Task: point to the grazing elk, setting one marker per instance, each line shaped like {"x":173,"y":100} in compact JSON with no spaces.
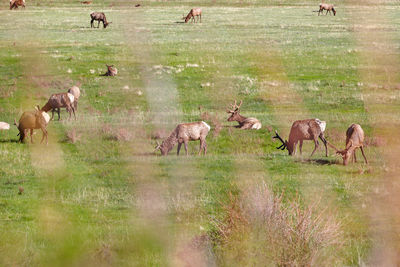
{"x":184,"y":133}
{"x":191,"y":15}
{"x":16,"y":3}
{"x":60,"y":100}
{"x":244,"y":123}
{"x":4,"y":126}
{"x":111,"y":71}
{"x":328,"y":8}
{"x":99,"y":16}
{"x":74,"y":90}
{"x":354,"y":140}
{"x":301,"y":130}
{"x":31,"y":120}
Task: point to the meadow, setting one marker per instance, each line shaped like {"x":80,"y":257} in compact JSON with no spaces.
{"x":99,"y":194}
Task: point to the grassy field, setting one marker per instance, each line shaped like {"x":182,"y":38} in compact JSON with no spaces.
{"x":99,"y":194}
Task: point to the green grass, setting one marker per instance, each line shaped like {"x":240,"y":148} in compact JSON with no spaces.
{"x":108,"y":201}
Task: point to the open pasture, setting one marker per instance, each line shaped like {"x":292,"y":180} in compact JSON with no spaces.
{"x":99,"y":194}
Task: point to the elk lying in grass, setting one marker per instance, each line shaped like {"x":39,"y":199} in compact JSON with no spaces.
{"x":99,"y":16}
{"x":191,"y":15}
{"x":328,"y":8}
{"x":74,"y":90}
{"x":111,"y":71}
{"x":31,"y":120}
{"x":310,"y":129}
{"x":184,"y":133}
{"x":244,"y":123}
{"x":354,"y":140}
{"x":60,"y":100}
{"x":16,"y":3}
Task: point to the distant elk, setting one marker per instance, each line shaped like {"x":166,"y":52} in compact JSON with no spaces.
{"x":4,"y":126}
{"x":111,"y":71}
{"x":354,"y":140}
{"x":100,"y":17}
{"x":16,"y":3}
{"x":244,"y":123}
{"x":60,"y":100}
{"x":310,"y":129}
{"x":328,"y":8}
{"x":31,"y":120}
{"x":184,"y":133}
{"x":191,"y":15}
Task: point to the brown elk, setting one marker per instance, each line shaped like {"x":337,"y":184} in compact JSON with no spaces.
{"x":310,"y":129}
{"x":328,"y":8}
{"x":191,"y":15}
{"x":184,"y":133}
{"x":60,"y":100}
{"x":99,"y":16}
{"x":16,"y":3}
{"x":354,"y":140}
{"x":74,"y":90}
{"x":111,"y":71}
{"x":31,"y":120}
{"x":244,"y":123}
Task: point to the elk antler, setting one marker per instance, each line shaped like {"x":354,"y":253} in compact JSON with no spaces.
{"x":283,"y":146}
{"x":234,"y":107}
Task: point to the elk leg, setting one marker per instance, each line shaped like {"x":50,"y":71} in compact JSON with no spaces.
{"x":205,"y":147}
{"x":294,"y":148}
{"x":301,"y":146}
{"x":31,"y":131}
{"x":179,"y":148}
{"x":98,"y":24}
{"x":91,"y":23}
{"x":44,"y":135}
{"x":315,"y":148}
{"x":186,"y":148}
{"x":76,"y":105}
{"x":52,"y":114}
{"x":58,"y":112}
{"x":322,"y":137}
{"x":365,"y":158}
{"x":202,"y":141}
{"x":354,"y":154}
{"x":73,"y":111}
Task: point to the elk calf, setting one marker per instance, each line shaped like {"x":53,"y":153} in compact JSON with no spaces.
{"x":99,"y":16}
{"x":354,"y":140}
{"x":328,"y":8}
{"x":184,"y":133}
{"x":16,"y":3}
{"x":60,"y":100}
{"x":31,"y":120}
{"x":244,"y":123}
{"x":191,"y":15}
{"x":310,"y":129}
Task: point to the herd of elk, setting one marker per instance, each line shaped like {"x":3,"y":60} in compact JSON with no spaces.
{"x":195,"y":12}
{"x":244,"y":123}
{"x":184,"y":133}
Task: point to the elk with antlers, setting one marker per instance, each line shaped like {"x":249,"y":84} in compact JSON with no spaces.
{"x":244,"y":123}
{"x":310,"y":129}
{"x":184,"y":133}
{"x":354,"y":140}
{"x":191,"y":15}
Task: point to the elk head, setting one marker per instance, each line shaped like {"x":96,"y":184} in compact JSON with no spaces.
{"x":285,"y":144}
{"x":164,"y":150}
{"x":107,"y":23}
{"x":234,"y":111}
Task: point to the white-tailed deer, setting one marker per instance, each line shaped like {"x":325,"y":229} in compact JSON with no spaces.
{"x":310,"y":129}
{"x":99,"y":16}
{"x":184,"y":133}
{"x":191,"y":15}
{"x":244,"y":123}
{"x":328,"y":8}
{"x":31,"y":120}
{"x":354,"y":140}
{"x":60,"y":100}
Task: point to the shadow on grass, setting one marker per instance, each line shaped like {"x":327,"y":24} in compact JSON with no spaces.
{"x":9,"y":140}
{"x":319,"y":161}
